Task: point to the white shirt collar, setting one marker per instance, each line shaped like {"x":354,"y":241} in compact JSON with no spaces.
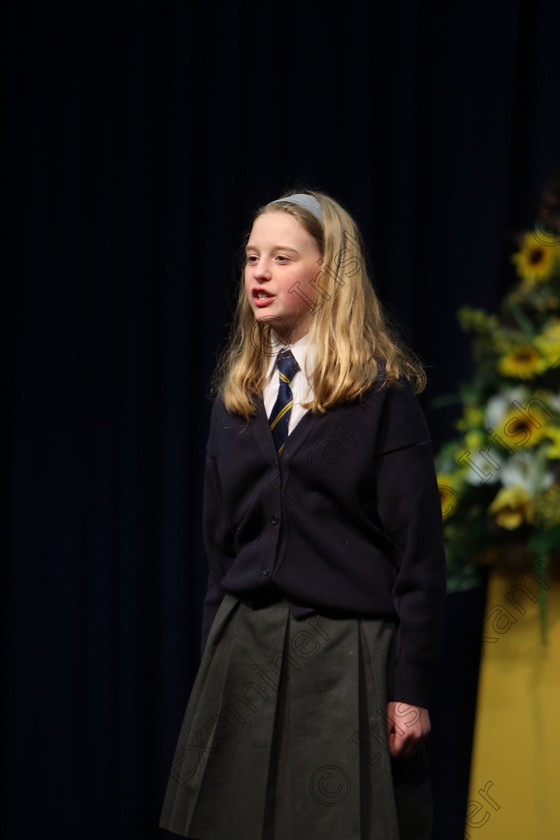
{"x":303,"y":352}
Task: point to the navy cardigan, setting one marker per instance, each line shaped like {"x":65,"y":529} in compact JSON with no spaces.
{"x":346,"y":522}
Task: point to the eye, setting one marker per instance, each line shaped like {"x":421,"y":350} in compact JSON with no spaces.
{"x":282,"y":259}
{"x":251,"y":259}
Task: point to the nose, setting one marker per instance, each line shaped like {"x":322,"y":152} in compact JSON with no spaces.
{"x":261,"y":270}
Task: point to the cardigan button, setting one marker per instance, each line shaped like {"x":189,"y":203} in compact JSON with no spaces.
{"x":266,"y":572}
{"x":274,"y":519}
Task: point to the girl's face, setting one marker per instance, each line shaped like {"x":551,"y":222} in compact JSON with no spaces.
{"x":282,"y":260}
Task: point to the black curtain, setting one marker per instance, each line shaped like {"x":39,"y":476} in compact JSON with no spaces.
{"x":139,"y":137}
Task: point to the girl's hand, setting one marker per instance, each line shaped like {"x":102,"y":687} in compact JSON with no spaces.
{"x":407,"y":728}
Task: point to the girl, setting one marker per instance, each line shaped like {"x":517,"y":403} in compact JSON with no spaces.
{"x":322,"y":526}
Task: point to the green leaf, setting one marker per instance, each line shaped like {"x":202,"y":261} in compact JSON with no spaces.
{"x":523,"y":321}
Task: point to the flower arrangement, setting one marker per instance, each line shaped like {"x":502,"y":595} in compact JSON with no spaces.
{"x":499,"y":479}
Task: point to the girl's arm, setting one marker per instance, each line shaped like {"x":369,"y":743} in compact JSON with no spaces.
{"x":410,"y":512}
{"x":218,"y":542}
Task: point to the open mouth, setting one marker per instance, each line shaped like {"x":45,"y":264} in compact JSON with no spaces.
{"x":262,"y":298}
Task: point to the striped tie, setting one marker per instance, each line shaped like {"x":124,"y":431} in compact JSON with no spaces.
{"x":280,"y":415}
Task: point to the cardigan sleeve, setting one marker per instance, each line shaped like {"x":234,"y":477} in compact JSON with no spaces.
{"x":410,"y":512}
{"x":218,"y":542}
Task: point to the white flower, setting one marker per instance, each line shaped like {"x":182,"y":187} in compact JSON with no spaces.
{"x":528,"y":471}
{"x":501,"y":404}
{"x":482,"y":468}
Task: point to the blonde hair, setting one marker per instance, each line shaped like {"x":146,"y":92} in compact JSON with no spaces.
{"x":350,"y":331}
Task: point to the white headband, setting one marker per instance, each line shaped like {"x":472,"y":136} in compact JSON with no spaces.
{"x":308,"y":201}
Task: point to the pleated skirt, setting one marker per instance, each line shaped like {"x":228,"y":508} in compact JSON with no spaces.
{"x":285,"y":735}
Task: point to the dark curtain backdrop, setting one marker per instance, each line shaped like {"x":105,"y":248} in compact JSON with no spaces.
{"x":139,"y":137}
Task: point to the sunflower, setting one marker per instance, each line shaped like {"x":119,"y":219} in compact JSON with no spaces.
{"x":535,"y":261}
{"x":525,"y":426}
{"x":510,"y":507}
{"x":449,"y":497}
{"x":522,"y":362}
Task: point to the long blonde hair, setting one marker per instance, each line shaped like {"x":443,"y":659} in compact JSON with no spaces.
{"x":349,"y":328}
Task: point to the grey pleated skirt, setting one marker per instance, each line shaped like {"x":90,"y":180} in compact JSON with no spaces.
{"x":284,"y":737}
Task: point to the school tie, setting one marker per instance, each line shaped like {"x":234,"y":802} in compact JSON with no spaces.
{"x":280,"y":414}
